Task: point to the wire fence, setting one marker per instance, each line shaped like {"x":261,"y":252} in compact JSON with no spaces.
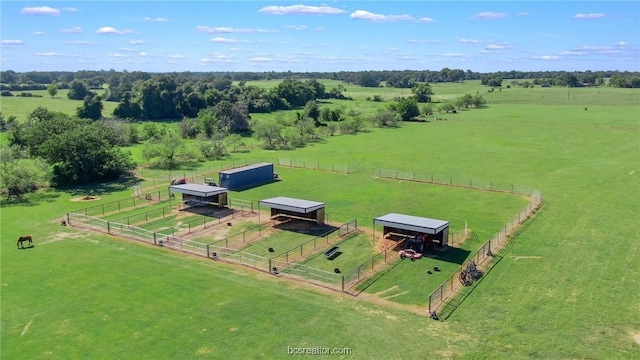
{"x":483,"y":256}
{"x":450,"y":287}
{"x":370,"y":267}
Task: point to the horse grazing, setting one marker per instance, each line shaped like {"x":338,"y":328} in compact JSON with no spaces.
{"x":23,"y":239}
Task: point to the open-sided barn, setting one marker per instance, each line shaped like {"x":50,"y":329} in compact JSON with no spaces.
{"x":296,"y":208}
{"x":201,"y":195}
{"x":433,"y":230}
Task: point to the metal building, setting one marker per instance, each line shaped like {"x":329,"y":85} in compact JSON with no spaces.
{"x":246,"y":176}
{"x":201,"y":195}
{"x":295,"y":208}
{"x":436,"y":231}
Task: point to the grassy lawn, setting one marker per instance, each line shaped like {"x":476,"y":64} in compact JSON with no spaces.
{"x":21,"y":107}
{"x":566,"y":288}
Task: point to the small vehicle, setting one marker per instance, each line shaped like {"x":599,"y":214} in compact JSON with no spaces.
{"x":409,"y":253}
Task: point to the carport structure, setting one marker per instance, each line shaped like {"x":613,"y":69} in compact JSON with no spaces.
{"x":436,"y":231}
{"x":201,"y":195}
{"x":295,"y":208}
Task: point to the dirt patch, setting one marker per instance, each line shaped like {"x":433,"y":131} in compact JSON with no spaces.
{"x":86,"y":198}
{"x":383,"y":244}
{"x":61,"y":235}
{"x":526,"y":257}
{"x":636,"y":337}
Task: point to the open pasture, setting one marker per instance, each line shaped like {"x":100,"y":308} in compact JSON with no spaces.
{"x":21,"y":107}
{"x":566,"y":287}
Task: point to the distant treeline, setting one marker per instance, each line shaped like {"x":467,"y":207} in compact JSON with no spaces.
{"x":38,"y":80}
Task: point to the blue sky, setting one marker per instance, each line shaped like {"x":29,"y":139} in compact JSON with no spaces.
{"x":164,"y":36}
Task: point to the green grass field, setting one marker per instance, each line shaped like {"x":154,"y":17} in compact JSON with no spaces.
{"x":565,"y":288}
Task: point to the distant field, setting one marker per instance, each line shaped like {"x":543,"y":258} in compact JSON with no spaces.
{"x":565,"y":288}
{"x":21,"y":107}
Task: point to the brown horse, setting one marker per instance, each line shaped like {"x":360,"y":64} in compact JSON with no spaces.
{"x":23,"y":239}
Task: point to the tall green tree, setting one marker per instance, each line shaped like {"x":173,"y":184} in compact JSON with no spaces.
{"x":422,"y":92}
{"x":78,"y":90}
{"x":167,"y":152}
{"x":269,"y":131}
{"x":406,"y":108}
{"x":52,"y":89}
{"x":80,"y":150}
{"x":127,"y":109}
{"x":91,"y":108}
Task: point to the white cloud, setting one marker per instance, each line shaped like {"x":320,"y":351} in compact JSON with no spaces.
{"x":108,"y":30}
{"x":217,"y":58}
{"x":425,"y":20}
{"x":143,"y":54}
{"x":73,"y":30}
{"x":458,"y":55}
{"x":488,"y":15}
{"x":81,"y":42}
{"x":495,"y":47}
{"x":221,"y":40}
{"x":70,"y":9}
{"x":301,"y":10}
{"x":297,"y":27}
{"x":546,"y":57}
{"x":50,"y":53}
{"x":13,"y":42}
{"x":622,"y":44}
{"x":38,"y":33}
{"x":417,"y":41}
{"x":136,"y":42}
{"x":469,"y":41}
{"x":41,"y":10}
{"x":369,"y":16}
{"x":158,"y":19}
{"x":588,"y":16}
{"x":118,"y":55}
{"x":176,"y":56}
{"x":229,"y":30}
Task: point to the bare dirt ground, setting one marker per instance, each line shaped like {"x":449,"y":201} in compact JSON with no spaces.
{"x":86,"y":198}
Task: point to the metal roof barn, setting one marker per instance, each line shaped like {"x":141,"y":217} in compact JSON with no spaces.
{"x":246,"y":175}
{"x":197,"y":189}
{"x":201,"y":194}
{"x":412,"y":225}
{"x":298,"y":208}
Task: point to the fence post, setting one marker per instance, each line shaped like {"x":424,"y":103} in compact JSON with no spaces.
{"x":108,"y":228}
{"x":68,"y":219}
{"x":342,"y":283}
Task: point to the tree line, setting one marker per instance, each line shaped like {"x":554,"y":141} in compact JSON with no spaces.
{"x":38,"y":80}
